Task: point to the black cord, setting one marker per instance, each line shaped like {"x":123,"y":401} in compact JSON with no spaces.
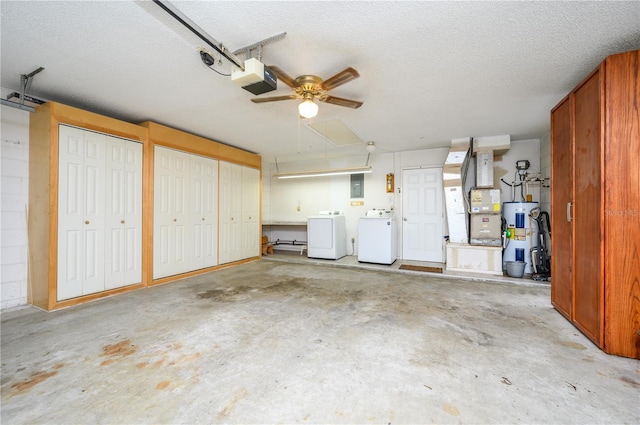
{"x":218,"y":72}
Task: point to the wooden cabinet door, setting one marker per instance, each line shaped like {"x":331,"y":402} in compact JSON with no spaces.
{"x":622,"y":200}
{"x":587,"y":210}
{"x":561,"y":198}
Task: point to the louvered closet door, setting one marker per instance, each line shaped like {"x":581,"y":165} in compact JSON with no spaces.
{"x":203,"y":184}
{"x":123,"y":248}
{"x":81,"y":213}
{"x":172,"y":252}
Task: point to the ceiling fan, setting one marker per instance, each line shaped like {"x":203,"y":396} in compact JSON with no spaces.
{"x":310,"y":87}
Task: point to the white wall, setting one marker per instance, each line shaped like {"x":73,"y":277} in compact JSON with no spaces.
{"x":14,"y":174}
{"x":296,"y":199}
{"x":545,"y":171}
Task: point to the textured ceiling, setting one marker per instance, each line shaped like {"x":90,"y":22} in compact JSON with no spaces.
{"x":429,"y":71}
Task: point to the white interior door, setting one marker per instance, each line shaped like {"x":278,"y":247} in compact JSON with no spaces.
{"x":171,"y":220}
{"x":250,"y":212}
{"x":422,"y":215}
{"x":123,"y":245}
{"x":81,"y":212}
{"x":204,"y":211}
{"x":230,"y":212}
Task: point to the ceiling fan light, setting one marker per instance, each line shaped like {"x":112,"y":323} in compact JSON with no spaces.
{"x":308,"y":109}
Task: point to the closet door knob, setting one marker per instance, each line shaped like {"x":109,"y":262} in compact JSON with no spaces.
{"x":86,"y":222}
{"x":175,"y":219}
{"x":121,"y":221}
{"x":202,"y":218}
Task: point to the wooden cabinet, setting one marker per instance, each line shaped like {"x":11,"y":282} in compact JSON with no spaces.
{"x":198,"y":196}
{"x":595,"y":192}
{"x":92,"y":180}
{"x":85,"y":206}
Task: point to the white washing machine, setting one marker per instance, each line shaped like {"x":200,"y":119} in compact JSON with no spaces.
{"x":377,"y":237}
{"x":327,"y":235}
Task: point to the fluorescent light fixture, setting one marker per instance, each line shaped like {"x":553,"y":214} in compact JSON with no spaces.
{"x":321,"y":173}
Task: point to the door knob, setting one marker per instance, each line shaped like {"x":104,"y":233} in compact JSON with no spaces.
{"x":121,"y":221}
{"x":404,"y":219}
{"x":86,"y":222}
{"x":175,"y":219}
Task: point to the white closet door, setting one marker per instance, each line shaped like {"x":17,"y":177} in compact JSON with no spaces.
{"x":230,"y":212}
{"x":81,"y":213}
{"x":123,"y":245}
{"x":171,"y":251}
{"x":250,"y":212}
{"x":204,"y":211}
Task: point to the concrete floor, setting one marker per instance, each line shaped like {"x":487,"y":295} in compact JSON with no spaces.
{"x":284,"y":341}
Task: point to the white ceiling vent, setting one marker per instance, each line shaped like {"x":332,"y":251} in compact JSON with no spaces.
{"x":336,"y":132}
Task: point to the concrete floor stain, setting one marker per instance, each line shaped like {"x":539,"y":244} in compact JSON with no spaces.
{"x":32,"y":381}
{"x":572,"y":344}
{"x":237,"y":397}
{"x":630,"y":381}
{"x":451,"y":409}
{"x":236,"y":293}
{"x":162,"y":385}
{"x":117,"y":351}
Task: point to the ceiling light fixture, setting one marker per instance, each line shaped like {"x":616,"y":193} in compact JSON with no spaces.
{"x":307,"y":108}
{"x":371,"y":146}
{"x":321,"y":173}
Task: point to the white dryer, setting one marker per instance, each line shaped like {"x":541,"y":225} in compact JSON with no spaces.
{"x":327,"y":235}
{"x":377,"y":237}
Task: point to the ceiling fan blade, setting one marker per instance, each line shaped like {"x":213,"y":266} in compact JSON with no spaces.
{"x":273,"y":98}
{"x":343,"y":102}
{"x":284,"y":77}
{"x":340,"y":78}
